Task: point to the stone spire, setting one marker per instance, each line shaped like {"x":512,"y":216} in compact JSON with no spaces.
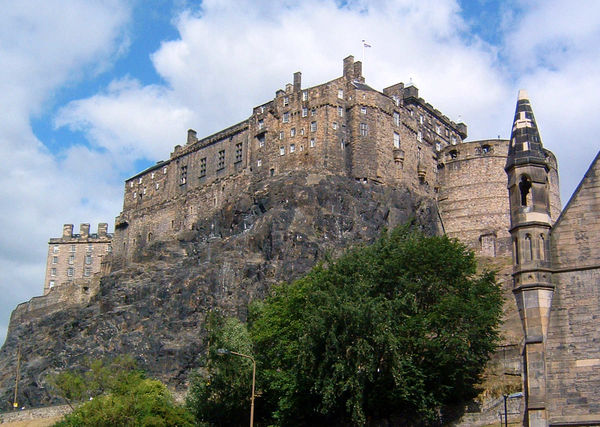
{"x":525,"y":142}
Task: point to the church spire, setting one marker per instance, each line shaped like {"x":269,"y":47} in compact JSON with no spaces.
{"x":525,"y":142}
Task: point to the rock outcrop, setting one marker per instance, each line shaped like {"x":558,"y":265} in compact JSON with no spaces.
{"x":155,"y":307}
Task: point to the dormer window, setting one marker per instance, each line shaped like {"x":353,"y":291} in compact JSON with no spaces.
{"x":286,"y":100}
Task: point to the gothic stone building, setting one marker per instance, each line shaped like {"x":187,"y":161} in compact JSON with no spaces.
{"x":556,"y":282}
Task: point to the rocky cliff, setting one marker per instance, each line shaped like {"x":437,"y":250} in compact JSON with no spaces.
{"x":155,"y":307}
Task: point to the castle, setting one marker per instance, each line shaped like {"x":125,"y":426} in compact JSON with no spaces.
{"x":342,"y":127}
{"x":394,"y":138}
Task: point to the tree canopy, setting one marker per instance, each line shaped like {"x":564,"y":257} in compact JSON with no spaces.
{"x":398,"y":330}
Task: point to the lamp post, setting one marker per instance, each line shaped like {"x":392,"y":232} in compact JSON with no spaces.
{"x":506,"y":397}
{"x":223,"y":352}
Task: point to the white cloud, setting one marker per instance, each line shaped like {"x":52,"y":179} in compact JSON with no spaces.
{"x":46,"y":47}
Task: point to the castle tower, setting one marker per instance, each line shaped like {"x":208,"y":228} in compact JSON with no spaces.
{"x":527,"y":169}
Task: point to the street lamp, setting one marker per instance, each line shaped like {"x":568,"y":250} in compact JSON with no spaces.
{"x":506,"y":397}
{"x":224,"y":352}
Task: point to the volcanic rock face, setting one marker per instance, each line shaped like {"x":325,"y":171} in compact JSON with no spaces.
{"x":155,"y":308}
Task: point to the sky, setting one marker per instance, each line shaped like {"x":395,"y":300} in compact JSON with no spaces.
{"x":92,"y":92}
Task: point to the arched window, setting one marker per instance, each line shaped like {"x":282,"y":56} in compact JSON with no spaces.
{"x":525,"y":189}
{"x":528,"y":256}
{"x":542,"y":248}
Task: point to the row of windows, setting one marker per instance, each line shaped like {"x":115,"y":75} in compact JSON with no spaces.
{"x":152,"y":175}
{"x":183,"y":170}
{"x":71,"y":260}
{"x":87,"y":271}
{"x":73,"y":248}
{"x":286,"y":99}
{"x":312,"y":144}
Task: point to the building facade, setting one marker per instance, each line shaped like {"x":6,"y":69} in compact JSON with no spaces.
{"x":556,"y":276}
{"x":74,"y":257}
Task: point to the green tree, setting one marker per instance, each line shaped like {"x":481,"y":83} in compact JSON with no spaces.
{"x":219,"y":392}
{"x":122,"y":396}
{"x":399,"y":330}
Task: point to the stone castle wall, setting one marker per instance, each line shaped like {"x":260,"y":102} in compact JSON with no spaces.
{"x":341,"y":127}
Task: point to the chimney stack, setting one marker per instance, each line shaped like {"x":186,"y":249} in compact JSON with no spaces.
{"x":191,"y":138}
{"x":68,"y":231}
{"x":349,"y":66}
{"x":102,"y":229}
{"x":84,"y":230}
{"x":297,"y":81}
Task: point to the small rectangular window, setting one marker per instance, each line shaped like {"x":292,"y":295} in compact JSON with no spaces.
{"x":334,"y":125}
{"x":87,"y":272}
{"x":302,"y":131}
{"x":313,"y":126}
{"x":258,"y":163}
{"x":305,"y":95}
{"x":88,"y":259}
{"x":280,"y":135}
{"x":70,"y":272}
{"x":281,"y":151}
{"x":53,"y":272}
{"x":139,"y":180}
{"x":71,"y":259}
{"x":342,"y":144}
{"x":55,"y":249}
{"x":261,"y":124}
{"x":396,"y":118}
{"x":292,"y":148}
{"x":165,"y":170}
{"x":340,"y":111}
{"x":363,"y":110}
{"x":51,"y":284}
{"x":221,"y":160}
{"x":157,"y":185}
{"x":453,"y":140}
{"x":54,"y":260}
{"x":304,"y":111}
{"x":312,"y":142}
{"x":421,"y":119}
{"x":419,"y":136}
{"x":293,"y":132}
{"x":438,"y":146}
{"x":286,"y":100}
{"x":130,"y":184}
{"x":396,"y":140}
{"x":202,"y":167}
{"x":72,"y":248}
{"x":313,"y":112}
{"x":152,"y":176}
{"x":364,"y":129}
{"x":286,"y":117}
{"x":340,"y":93}
{"x":238,"y":152}
{"x":182,"y":175}
{"x":438,"y":130}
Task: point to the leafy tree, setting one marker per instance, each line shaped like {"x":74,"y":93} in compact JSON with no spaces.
{"x":219,"y":392}
{"x":399,"y":330}
{"x":123,"y":397}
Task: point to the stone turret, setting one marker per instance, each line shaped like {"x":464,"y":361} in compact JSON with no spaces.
{"x":527,"y":169}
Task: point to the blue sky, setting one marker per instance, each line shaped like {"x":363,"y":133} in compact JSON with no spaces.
{"x":95,"y":91}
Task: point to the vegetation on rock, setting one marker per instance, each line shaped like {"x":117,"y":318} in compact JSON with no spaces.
{"x":399,"y":330}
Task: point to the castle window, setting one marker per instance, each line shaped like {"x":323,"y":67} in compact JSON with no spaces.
{"x":363,"y":110}
{"x":182,"y":175}
{"x":130,"y":184}
{"x":72,"y":248}
{"x":51,"y":284}
{"x":258,"y":163}
{"x":144,"y":191}
{"x":292,"y":148}
{"x":238,"y":152}
{"x":89,"y":247}
{"x":70,"y":272}
{"x":453,"y":154}
{"x":88,"y":259}
{"x":54,"y":260}
{"x":293,"y":132}
{"x":334,"y":125}
{"x":53,"y":272}
{"x":87,"y":272}
{"x":396,"y":140}
{"x":313,"y":126}
{"x":55,"y":249}
{"x":524,"y":188}
{"x":152,"y":175}
{"x":157,"y":185}
{"x":438,"y":146}
{"x":419,"y":136}
{"x":262,"y":109}
{"x":396,"y":118}
{"x":304,"y":111}
{"x":312,"y":142}
{"x":396,"y":100}
{"x":286,"y":100}
{"x":261,"y":124}
{"x":486,"y":149}
{"x":165,"y":170}
{"x":139,"y":180}
{"x":281,"y":151}
{"x":340,"y":111}
{"x":364,"y":129}
{"x":221,"y":160}
{"x":305,"y":95}
{"x":421,"y":119}
{"x":134,"y":195}
{"x":313,"y":112}
{"x":453,"y":140}
{"x":286,"y":117}
{"x":340,"y":94}
{"x":71,"y":259}
{"x":302,"y":131}
{"x":342,"y":144}
{"x":280,"y":135}
{"x":109,"y":248}
{"x":438,"y":130}
{"x":271,"y":171}
{"x":202,"y":167}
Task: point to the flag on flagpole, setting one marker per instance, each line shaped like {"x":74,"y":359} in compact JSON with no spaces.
{"x":365,"y":44}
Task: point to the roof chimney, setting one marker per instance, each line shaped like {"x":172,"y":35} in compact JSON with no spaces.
{"x":297,"y":81}
{"x":68,"y":230}
{"x":84,"y":230}
{"x":102,"y":229}
{"x":191,"y":138}
{"x":349,"y":66}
